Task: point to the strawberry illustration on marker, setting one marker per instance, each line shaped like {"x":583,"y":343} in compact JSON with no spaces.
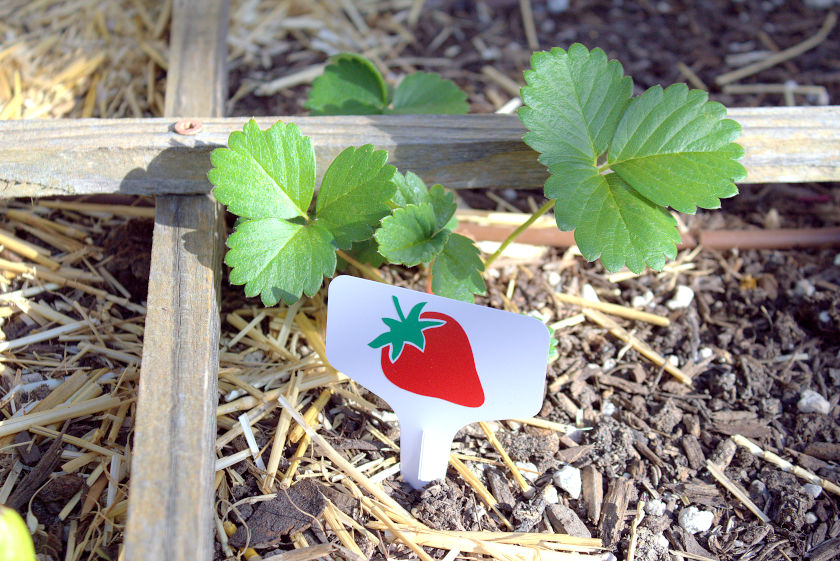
{"x":428,"y":353}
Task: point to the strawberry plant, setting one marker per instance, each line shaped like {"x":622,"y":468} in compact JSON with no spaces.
{"x":352,"y":85}
{"x":429,"y":354}
{"x":617,"y":164}
{"x":282,"y":248}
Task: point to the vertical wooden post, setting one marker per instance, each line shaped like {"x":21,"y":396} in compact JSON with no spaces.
{"x":170,"y":512}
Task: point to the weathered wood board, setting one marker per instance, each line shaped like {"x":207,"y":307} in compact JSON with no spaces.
{"x":145,"y":156}
{"x":171,"y":496}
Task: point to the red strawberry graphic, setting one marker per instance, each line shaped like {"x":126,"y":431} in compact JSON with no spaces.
{"x":429,"y":354}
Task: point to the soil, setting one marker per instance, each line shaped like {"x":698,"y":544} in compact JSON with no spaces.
{"x":763,"y":326}
{"x":649,"y":38}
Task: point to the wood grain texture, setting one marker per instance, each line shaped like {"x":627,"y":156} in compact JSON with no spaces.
{"x":144,"y":156}
{"x":171,"y":497}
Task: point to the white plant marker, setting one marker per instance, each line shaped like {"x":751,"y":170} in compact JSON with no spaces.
{"x":439,"y":363}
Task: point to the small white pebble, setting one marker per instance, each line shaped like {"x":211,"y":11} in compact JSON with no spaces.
{"x":557,"y":6}
{"x":642,"y":300}
{"x":609,"y":364}
{"x":550,"y":495}
{"x":510,"y":194}
{"x":694,"y":520}
{"x":608,"y":408}
{"x":804,"y":288}
{"x":824,"y":316}
{"x":706,"y":352}
{"x":662,"y":541}
{"x":820,"y":4}
{"x":529,"y":470}
{"x":655,"y":507}
{"x":812,"y":489}
{"x":452,"y":51}
{"x":554,"y":278}
{"x":682,"y":298}
{"x":758,"y":488}
{"x":810,"y":518}
{"x":568,"y":479}
{"x":674,"y":360}
{"x":588,"y":293}
{"x":491,"y":53}
{"x":812,"y":402}
{"x":576,"y":435}
{"x":388,"y":417}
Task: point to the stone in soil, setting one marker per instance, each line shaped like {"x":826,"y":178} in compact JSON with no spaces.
{"x":813,"y":490}
{"x":812,"y":402}
{"x":568,"y":479}
{"x":694,"y":520}
{"x":655,"y":507}
{"x":291,"y":511}
{"x":682,"y":298}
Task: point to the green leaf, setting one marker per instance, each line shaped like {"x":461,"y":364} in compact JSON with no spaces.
{"x":553,"y":351}
{"x":404,"y":330}
{"x":354,"y":194}
{"x":365,"y":251}
{"x":623,"y":228}
{"x":422,"y":92}
{"x":444,"y":206}
{"x":350,"y":85}
{"x":410,"y":189}
{"x":574,"y":101}
{"x":675,"y":148}
{"x":456,"y":272}
{"x":410,"y":236}
{"x":616,"y":163}
{"x":265,"y":174}
{"x":279,"y":259}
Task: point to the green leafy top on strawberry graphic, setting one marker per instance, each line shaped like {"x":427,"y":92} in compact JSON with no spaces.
{"x":404,"y":330}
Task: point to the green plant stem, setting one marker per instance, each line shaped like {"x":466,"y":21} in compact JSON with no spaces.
{"x":515,"y":234}
{"x":366,"y":270}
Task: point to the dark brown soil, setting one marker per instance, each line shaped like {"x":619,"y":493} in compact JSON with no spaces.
{"x":649,"y":38}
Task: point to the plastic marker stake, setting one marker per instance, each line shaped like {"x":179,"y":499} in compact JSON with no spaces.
{"x":439,"y":363}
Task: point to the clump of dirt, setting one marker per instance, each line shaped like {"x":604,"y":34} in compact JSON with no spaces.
{"x":613,"y":446}
{"x":439,"y":500}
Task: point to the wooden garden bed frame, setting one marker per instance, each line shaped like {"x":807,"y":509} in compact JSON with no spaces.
{"x":171,"y":496}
